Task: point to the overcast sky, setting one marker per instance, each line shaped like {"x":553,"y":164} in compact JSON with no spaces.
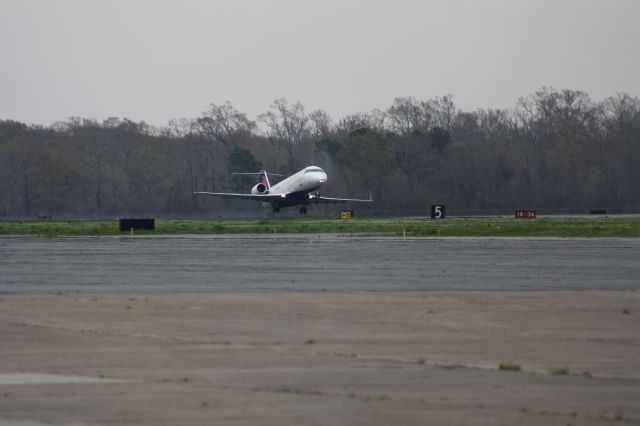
{"x":156,"y":60}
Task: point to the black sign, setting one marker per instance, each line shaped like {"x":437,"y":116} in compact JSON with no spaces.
{"x":437,"y":211}
{"x":128,"y":224}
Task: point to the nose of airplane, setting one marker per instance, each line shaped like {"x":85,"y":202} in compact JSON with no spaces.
{"x":322,"y":178}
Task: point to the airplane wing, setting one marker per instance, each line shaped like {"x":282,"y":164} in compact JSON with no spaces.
{"x":313,"y":198}
{"x":317,"y":198}
{"x":254,"y":197}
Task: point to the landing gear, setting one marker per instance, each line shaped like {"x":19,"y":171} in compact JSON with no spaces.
{"x":303,"y":210}
{"x":276,"y":209}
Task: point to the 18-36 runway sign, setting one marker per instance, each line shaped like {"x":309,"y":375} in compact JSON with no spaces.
{"x":525,"y":214}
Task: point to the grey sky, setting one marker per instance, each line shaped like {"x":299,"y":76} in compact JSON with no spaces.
{"x":157,"y":60}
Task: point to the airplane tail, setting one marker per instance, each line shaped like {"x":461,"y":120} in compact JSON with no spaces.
{"x":264,"y":177}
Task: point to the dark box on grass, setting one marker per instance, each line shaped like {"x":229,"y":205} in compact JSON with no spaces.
{"x":128,"y":224}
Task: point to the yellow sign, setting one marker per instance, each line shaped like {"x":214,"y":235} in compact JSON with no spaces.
{"x":346,"y":214}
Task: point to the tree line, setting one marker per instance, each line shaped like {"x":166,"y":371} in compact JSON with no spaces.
{"x":553,"y":149}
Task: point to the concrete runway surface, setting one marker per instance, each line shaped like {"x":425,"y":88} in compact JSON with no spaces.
{"x":314,"y":263}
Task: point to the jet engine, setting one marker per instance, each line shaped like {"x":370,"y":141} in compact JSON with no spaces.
{"x":259,"y":189}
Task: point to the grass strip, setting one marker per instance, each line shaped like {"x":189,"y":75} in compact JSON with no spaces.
{"x":398,"y":227}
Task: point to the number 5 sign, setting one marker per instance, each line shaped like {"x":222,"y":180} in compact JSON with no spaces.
{"x":437,"y":211}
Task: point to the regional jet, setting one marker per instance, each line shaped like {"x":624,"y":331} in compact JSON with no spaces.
{"x":298,"y":189}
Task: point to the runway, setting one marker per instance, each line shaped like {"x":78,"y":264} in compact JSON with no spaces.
{"x":314,"y":263}
{"x":318,"y":329}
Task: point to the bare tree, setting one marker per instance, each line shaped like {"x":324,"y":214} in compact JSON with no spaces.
{"x":407,"y":115}
{"x":363,"y":120}
{"x":224,"y":123}
{"x":320,"y":124}
{"x":444,"y":111}
{"x":378,"y":119}
{"x":286,"y":122}
{"x":621,"y":150}
{"x":186,"y":132}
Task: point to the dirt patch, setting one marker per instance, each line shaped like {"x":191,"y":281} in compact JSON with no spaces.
{"x":330,"y":358}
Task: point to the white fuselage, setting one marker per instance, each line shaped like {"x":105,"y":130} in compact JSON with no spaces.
{"x":306,"y":180}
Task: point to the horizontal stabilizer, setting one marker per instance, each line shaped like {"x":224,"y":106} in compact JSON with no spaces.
{"x":256,"y":173}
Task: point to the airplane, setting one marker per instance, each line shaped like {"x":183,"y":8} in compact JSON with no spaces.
{"x":298,"y":189}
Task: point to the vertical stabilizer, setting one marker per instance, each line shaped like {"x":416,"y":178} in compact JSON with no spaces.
{"x":265,"y":179}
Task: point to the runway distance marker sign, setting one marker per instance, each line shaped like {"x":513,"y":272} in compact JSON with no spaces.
{"x":437,"y":211}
